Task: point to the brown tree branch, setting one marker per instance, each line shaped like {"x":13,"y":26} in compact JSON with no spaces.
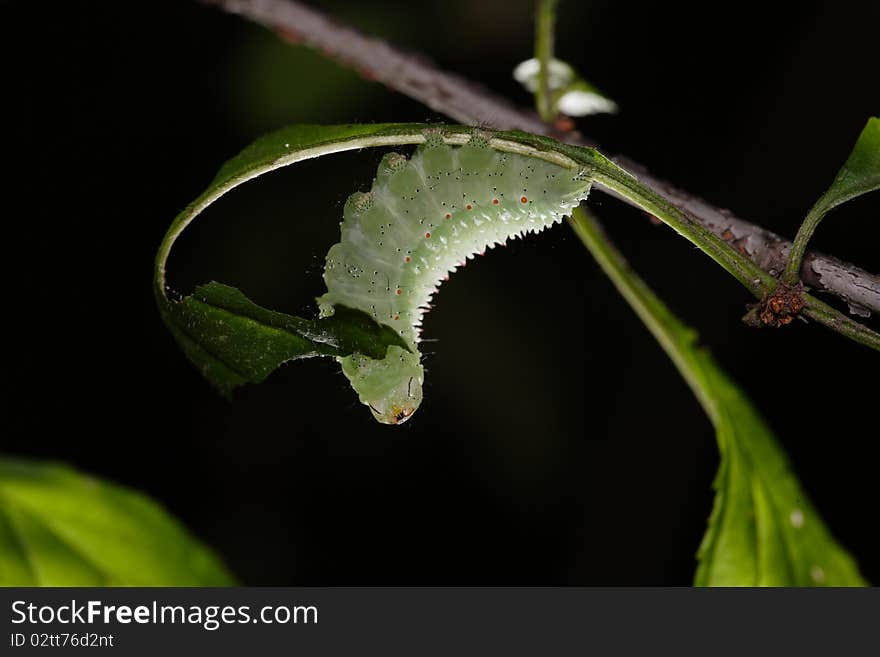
{"x":468,"y":103}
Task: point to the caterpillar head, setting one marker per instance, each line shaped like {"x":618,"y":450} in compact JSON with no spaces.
{"x":391,"y":387}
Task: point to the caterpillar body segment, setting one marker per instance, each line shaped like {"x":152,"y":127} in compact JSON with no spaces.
{"x":421,"y":219}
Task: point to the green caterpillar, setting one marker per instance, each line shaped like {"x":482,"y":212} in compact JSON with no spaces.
{"x":422,"y":218}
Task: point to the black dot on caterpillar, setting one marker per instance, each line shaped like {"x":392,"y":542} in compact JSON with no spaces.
{"x":526,"y":195}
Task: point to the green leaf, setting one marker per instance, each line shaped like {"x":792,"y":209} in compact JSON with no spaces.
{"x":62,"y":528}
{"x":234,"y":341}
{"x":860,"y":173}
{"x":763,"y":530}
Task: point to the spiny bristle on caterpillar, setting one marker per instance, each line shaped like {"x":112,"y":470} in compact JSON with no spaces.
{"x":422,"y":219}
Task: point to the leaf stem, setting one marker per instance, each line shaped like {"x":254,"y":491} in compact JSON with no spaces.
{"x":759,"y":282}
{"x":676,"y":338}
{"x":828,"y":316}
{"x":755,"y":279}
{"x":545,"y":20}
{"x":791,"y":275}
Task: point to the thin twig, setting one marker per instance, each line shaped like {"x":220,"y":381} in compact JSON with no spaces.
{"x":545,"y":24}
{"x":468,"y":103}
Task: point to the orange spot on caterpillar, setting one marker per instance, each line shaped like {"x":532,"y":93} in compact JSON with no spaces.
{"x":428,"y":235}
{"x":399,"y":291}
{"x":495,"y":201}
{"x":407,"y":259}
{"x":524,"y":200}
{"x":469,"y":206}
{"x":397,"y":317}
{"x":448,"y":216}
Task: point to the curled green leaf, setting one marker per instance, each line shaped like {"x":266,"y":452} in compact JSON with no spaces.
{"x":207,"y":328}
{"x":233,"y":341}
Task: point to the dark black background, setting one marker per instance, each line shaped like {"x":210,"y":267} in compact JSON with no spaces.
{"x":556,"y":443}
